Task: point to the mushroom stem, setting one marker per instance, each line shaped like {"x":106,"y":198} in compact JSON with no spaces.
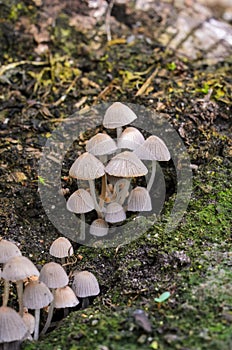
{"x":6,"y":293}
{"x":85,"y":303}
{"x":19,"y":287}
{"x":50,"y":314}
{"x":82,"y":228}
{"x":93,"y":194}
{"x":119,"y":131}
{"x":103,"y":192}
{"x":152,"y":177}
{"x":37,"y":320}
{"x":121,"y":194}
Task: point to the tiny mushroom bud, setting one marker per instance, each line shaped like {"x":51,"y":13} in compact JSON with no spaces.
{"x":85,"y":285}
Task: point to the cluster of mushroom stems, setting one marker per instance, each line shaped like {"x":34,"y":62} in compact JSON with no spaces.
{"x":105,"y":159}
{"x":47,"y":289}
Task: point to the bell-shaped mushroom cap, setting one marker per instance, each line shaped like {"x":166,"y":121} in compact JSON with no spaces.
{"x":130,"y":138}
{"x":29,"y":321}
{"x":12,"y":326}
{"x":126,"y":164}
{"x":80,"y":202}
{"x":8,"y":250}
{"x":99,"y":228}
{"x":114,"y":213}
{"x":61,"y":248}
{"x":139,"y":200}
{"x":36,"y":295}
{"x":19,"y":268}
{"x":85,"y":284}
{"x":65,"y":297}
{"x":53,"y":275}
{"x":87,"y":167}
{"x":153,"y":148}
{"x":101,"y":144}
{"x":118,"y":115}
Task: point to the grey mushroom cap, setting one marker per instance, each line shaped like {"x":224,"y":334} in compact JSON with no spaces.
{"x":99,"y":228}
{"x":85,"y":284}
{"x":87,"y":167}
{"x":139,"y":200}
{"x":80,"y":202}
{"x":126,"y":164}
{"x":53,"y":275}
{"x":61,"y":248}
{"x":130,"y":138}
{"x":114,"y":213}
{"x":18,"y":268}
{"x":36,"y":295}
{"x":29,"y":321}
{"x":117,"y":115}
{"x":101,"y":144}
{"x":8,"y":250}
{"x":12,"y":325}
{"x":153,"y":148}
{"x":65,"y":297}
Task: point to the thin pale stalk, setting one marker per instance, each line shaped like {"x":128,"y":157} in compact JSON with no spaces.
{"x":37,"y":320}
{"x":19,"y":287}
{"x":93,"y":194}
{"x":152,"y":177}
{"x":6,"y":293}
{"x":82,"y":228}
{"x":50,"y":314}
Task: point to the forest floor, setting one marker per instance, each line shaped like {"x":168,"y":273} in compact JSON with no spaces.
{"x":55,"y":61}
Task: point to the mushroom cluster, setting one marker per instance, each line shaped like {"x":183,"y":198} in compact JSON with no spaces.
{"x":115,"y":163}
{"x":48,"y":289}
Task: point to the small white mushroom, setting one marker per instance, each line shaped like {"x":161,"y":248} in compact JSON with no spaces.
{"x":85,"y":285}
{"x":114,"y":213}
{"x":99,"y":228}
{"x":61,"y":248}
{"x":139,"y":200}
{"x":12,"y":326}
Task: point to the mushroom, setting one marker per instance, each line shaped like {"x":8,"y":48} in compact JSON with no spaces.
{"x":85,"y":285}
{"x":29,"y":320}
{"x":54,"y":276}
{"x":88,"y":167}
{"x":65,"y":297}
{"x":12,"y":326}
{"x":127,"y":165}
{"x":153,"y":149}
{"x":114,"y":213}
{"x":36,"y":295}
{"x":130,"y":138}
{"x":139,"y":200}
{"x":118,"y":115}
{"x":80,"y":202}
{"x":101,"y":145}
{"x":16,"y":270}
{"x":61,"y":248}
{"x":7,"y":251}
{"x":99,"y":228}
